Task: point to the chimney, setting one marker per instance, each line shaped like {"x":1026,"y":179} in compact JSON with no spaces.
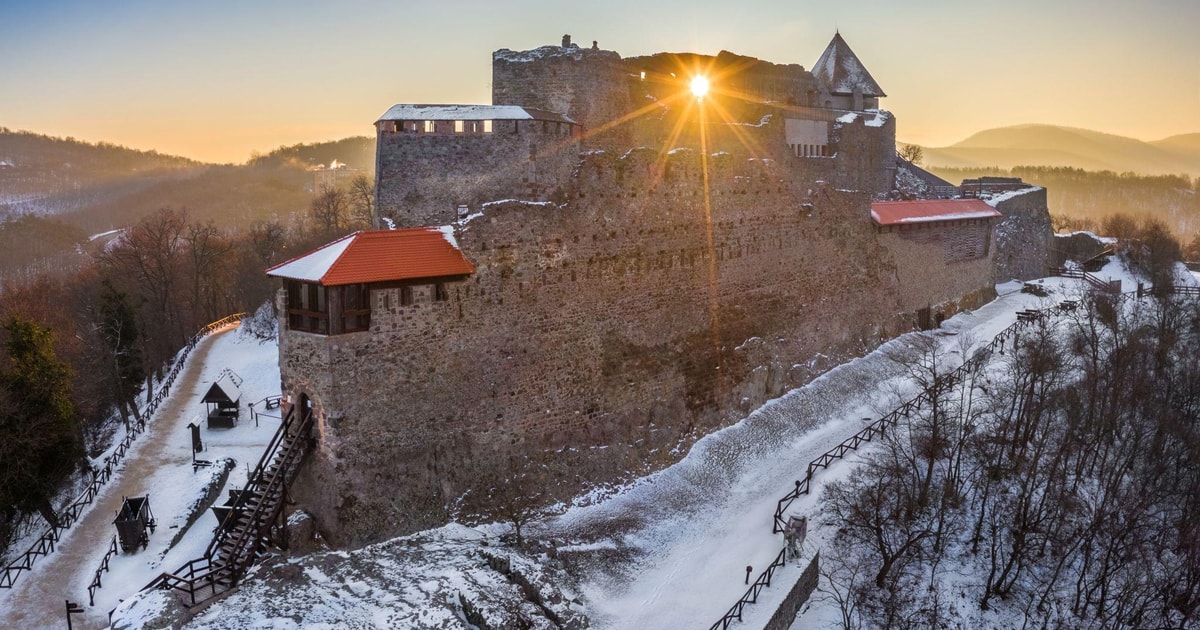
{"x":566,"y":41}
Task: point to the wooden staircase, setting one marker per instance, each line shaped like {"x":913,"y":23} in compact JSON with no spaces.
{"x":254,"y":521}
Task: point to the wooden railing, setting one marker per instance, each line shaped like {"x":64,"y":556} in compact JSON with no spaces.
{"x":44,"y":545}
{"x":1086,"y":277}
{"x":751,"y":595}
{"x":234,"y":547}
{"x":95,"y":585}
{"x":875,"y":429}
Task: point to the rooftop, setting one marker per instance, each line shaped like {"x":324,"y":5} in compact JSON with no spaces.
{"x":840,"y":71}
{"x":927,"y":210}
{"x":379,"y":256}
{"x":470,"y":112}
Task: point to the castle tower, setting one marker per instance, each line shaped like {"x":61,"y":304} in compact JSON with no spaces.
{"x":843,"y":80}
{"x":588,"y":85}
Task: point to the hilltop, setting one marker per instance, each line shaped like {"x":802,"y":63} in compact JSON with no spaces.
{"x":1050,"y":145}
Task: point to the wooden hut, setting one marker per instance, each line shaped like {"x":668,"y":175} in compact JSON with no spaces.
{"x":223,"y":401}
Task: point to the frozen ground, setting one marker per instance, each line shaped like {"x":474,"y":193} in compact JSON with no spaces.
{"x":158,"y":464}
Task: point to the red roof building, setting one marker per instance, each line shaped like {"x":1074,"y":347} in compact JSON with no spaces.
{"x":889,"y":213}
{"x":329,"y":289}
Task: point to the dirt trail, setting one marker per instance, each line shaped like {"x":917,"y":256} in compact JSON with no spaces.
{"x":36,"y":600}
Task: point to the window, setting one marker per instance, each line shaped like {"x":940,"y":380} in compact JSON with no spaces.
{"x":440,"y":294}
{"x":356,"y":310}
{"x":406,"y":296}
{"x":460,"y":126}
{"x":430,"y":126}
{"x":463,"y":210}
{"x":487,"y":126}
{"x":307,"y":307}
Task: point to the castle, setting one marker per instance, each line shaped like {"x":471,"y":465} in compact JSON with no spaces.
{"x":581,"y":279}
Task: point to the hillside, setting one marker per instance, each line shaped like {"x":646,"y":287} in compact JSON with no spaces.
{"x":1049,"y":145}
{"x":75,"y":189}
{"x":1087,"y":197}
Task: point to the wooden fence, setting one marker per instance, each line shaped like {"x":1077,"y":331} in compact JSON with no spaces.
{"x":44,"y":545}
{"x":95,"y":585}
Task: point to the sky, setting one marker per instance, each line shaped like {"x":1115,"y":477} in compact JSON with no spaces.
{"x":220,"y":79}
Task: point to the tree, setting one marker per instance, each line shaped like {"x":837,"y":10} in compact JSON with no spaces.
{"x":42,"y":440}
{"x":118,"y":327}
{"x":912,"y":153}
{"x":329,"y":210}
{"x":362,"y":200}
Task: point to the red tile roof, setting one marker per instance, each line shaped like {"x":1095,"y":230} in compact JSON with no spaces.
{"x":926,"y":210}
{"x":379,"y":256}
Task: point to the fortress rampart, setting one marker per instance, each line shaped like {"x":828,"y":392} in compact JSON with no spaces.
{"x":636,"y":287}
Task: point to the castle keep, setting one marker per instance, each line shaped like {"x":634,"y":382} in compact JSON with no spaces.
{"x":578,"y":281}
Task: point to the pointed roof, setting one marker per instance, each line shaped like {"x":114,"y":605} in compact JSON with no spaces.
{"x":225,"y":390}
{"x":839,"y":71}
{"x":380,"y":256}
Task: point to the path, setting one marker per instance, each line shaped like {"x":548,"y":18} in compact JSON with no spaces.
{"x":690,"y":530}
{"x":36,"y":601}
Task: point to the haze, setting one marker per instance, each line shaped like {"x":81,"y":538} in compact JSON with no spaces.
{"x":219,"y":80}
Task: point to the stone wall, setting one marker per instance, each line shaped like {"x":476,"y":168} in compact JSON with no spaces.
{"x":590,"y":86}
{"x":1024,"y":237}
{"x":423,"y":177}
{"x":785,"y":615}
{"x":599,"y":338}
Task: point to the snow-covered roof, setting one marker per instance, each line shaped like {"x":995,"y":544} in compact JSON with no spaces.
{"x":839,"y":71}
{"x":927,"y":210}
{"x":470,"y":112}
{"x":225,"y":390}
{"x":380,"y":256}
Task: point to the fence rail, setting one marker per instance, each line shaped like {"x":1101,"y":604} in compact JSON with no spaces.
{"x":875,"y":429}
{"x":67,"y":517}
{"x":751,"y":595}
{"x":95,"y":585}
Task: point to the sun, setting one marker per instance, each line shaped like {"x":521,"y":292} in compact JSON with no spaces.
{"x":699,"y":85}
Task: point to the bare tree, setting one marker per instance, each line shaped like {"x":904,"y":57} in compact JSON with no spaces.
{"x":330,"y":212}
{"x":912,"y":153}
{"x":362,"y":201}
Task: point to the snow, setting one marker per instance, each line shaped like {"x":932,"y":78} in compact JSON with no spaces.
{"x":312,"y":267}
{"x":158,"y":465}
{"x":448,"y":234}
{"x":1103,"y":239}
{"x":847,"y":118}
{"x":104,"y":234}
{"x":879,"y":119}
{"x":998,"y":199}
{"x":667,"y":550}
{"x":460,"y":112}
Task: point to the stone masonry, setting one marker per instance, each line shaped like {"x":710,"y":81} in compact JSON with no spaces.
{"x":659,"y":294}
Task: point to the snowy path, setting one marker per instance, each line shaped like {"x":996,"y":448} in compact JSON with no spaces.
{"x":702,"y":521}
{"x":159,"y":464}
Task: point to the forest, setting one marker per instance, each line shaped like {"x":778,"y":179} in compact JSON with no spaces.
{"x":1080,"y":200}
{"x":1056,"y":483}
{"x":81,"y":345}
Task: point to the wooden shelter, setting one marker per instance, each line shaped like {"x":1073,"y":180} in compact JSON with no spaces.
{"x":223,"y":401}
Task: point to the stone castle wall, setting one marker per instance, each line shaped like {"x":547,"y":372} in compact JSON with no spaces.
{"x":590,"y":86}
{"x":423,"y":178}
{"x":598,"y":339}
{"x":1024,"y":237}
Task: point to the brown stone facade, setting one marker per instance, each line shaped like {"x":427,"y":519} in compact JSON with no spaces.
{"x":634,"y":292}
{"x":599,"y":338}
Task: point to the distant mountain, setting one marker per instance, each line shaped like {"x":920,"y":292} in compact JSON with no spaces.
{"x":1049,"y":145}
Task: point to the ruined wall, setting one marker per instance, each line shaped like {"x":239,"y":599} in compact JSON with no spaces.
{"x":423,"y":177}
{"x":590,"y":86}
{"x":1024,"y":237}
{"x":599,"y":338}
{"x":861,"y":151}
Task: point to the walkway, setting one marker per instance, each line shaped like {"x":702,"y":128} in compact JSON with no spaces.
{"x":36,"y":601}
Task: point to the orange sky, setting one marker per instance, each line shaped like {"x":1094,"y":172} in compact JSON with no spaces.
{"x":218,"y":80}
